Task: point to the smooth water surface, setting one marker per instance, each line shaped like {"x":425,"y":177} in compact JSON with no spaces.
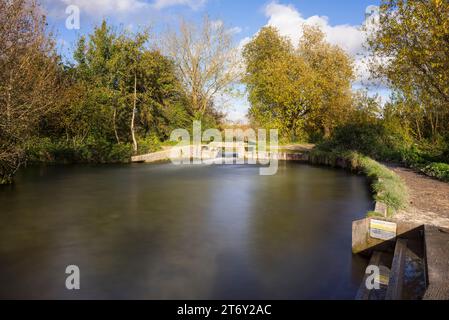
{"x":181,"y":232}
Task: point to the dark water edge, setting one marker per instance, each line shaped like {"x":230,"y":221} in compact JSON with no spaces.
{"x":189,"y":232}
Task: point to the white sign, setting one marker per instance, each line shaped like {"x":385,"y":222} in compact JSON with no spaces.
{"x":382,"y":230}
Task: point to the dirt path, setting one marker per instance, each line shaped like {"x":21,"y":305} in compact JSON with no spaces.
{"x":429,"y":198}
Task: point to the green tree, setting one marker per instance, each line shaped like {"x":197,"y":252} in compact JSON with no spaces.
{"x":366,"y":109}
{"x":130,"y":63}
{"x":92,"y":110}
{"x":130,"y":91}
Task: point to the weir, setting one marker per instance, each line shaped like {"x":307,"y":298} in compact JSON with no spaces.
{"x":208,"y":152}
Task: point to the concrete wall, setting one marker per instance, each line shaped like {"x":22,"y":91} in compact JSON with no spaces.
{"x":211,"y":153}
{"x":363,"y":243}
{"x":152,"y":157}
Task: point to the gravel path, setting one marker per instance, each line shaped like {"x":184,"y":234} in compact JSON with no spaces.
{"x":429,"y":198}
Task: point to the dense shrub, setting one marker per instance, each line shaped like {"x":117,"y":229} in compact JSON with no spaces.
{"x":437,"y":170}
{"x":445,"y":154}
{"x":362,"y":138}
{"x":371,"y":139}
{"x":90,"y":151}
{"x":149,"y":144}
{"x":413,"y":157}
{"x":120,"y":153}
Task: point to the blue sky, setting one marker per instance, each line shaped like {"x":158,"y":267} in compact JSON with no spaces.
{"x":341,"y":21}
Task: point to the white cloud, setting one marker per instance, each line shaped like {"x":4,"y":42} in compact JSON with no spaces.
{"x":125,"y":10}
{"x":128,"y":6}
{"x":235,"y":30}
{"x":94,"y":10}
{"x":217,"y":24}
{"x":101,"y":7}
{"x":238,"y":114}
{"x":290,"y":23}
{"x":194,"y":4}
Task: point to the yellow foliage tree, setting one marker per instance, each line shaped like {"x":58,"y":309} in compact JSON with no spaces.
{"x":297,"y":90}
{"x":411,"y":51}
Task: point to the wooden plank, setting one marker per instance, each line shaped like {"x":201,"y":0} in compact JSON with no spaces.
{"x":363,"y":293}
{"x":437,"y":263}
{"x":394,"y":291}
{"x":435,"y":292}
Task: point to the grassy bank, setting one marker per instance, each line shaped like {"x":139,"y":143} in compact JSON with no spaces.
{"x":45,"y":150}
{"x":387,"y":186}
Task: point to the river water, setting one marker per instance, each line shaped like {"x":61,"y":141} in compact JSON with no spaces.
{"x":181,"y":232}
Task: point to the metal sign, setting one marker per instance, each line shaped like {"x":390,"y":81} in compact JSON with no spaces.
{"x":382,"y":230}
{"x":383,"y":278}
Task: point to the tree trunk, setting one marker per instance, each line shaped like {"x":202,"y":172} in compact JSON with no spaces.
{"x":114,"y":119}
{"x":327,"y":132}
{"x":432,"y":124}
{"x":8,"y":102}
{"x":134,"y":115}
{"x":418,"y":128}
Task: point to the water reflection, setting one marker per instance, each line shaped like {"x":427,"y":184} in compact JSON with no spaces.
{"x":171,"y":232}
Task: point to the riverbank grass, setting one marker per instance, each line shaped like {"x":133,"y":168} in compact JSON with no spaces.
{"x":387,"y":186}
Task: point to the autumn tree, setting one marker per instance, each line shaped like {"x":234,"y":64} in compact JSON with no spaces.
{"x":297,"y":89}
{"x":279,"y":83}
{"x":334,"y":71}
{"x":410,"y":50}
{"x":29,"y":79}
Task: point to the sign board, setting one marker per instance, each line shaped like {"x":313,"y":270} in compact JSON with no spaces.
{"x":382,"y":230}
{"x":383,"y":278}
